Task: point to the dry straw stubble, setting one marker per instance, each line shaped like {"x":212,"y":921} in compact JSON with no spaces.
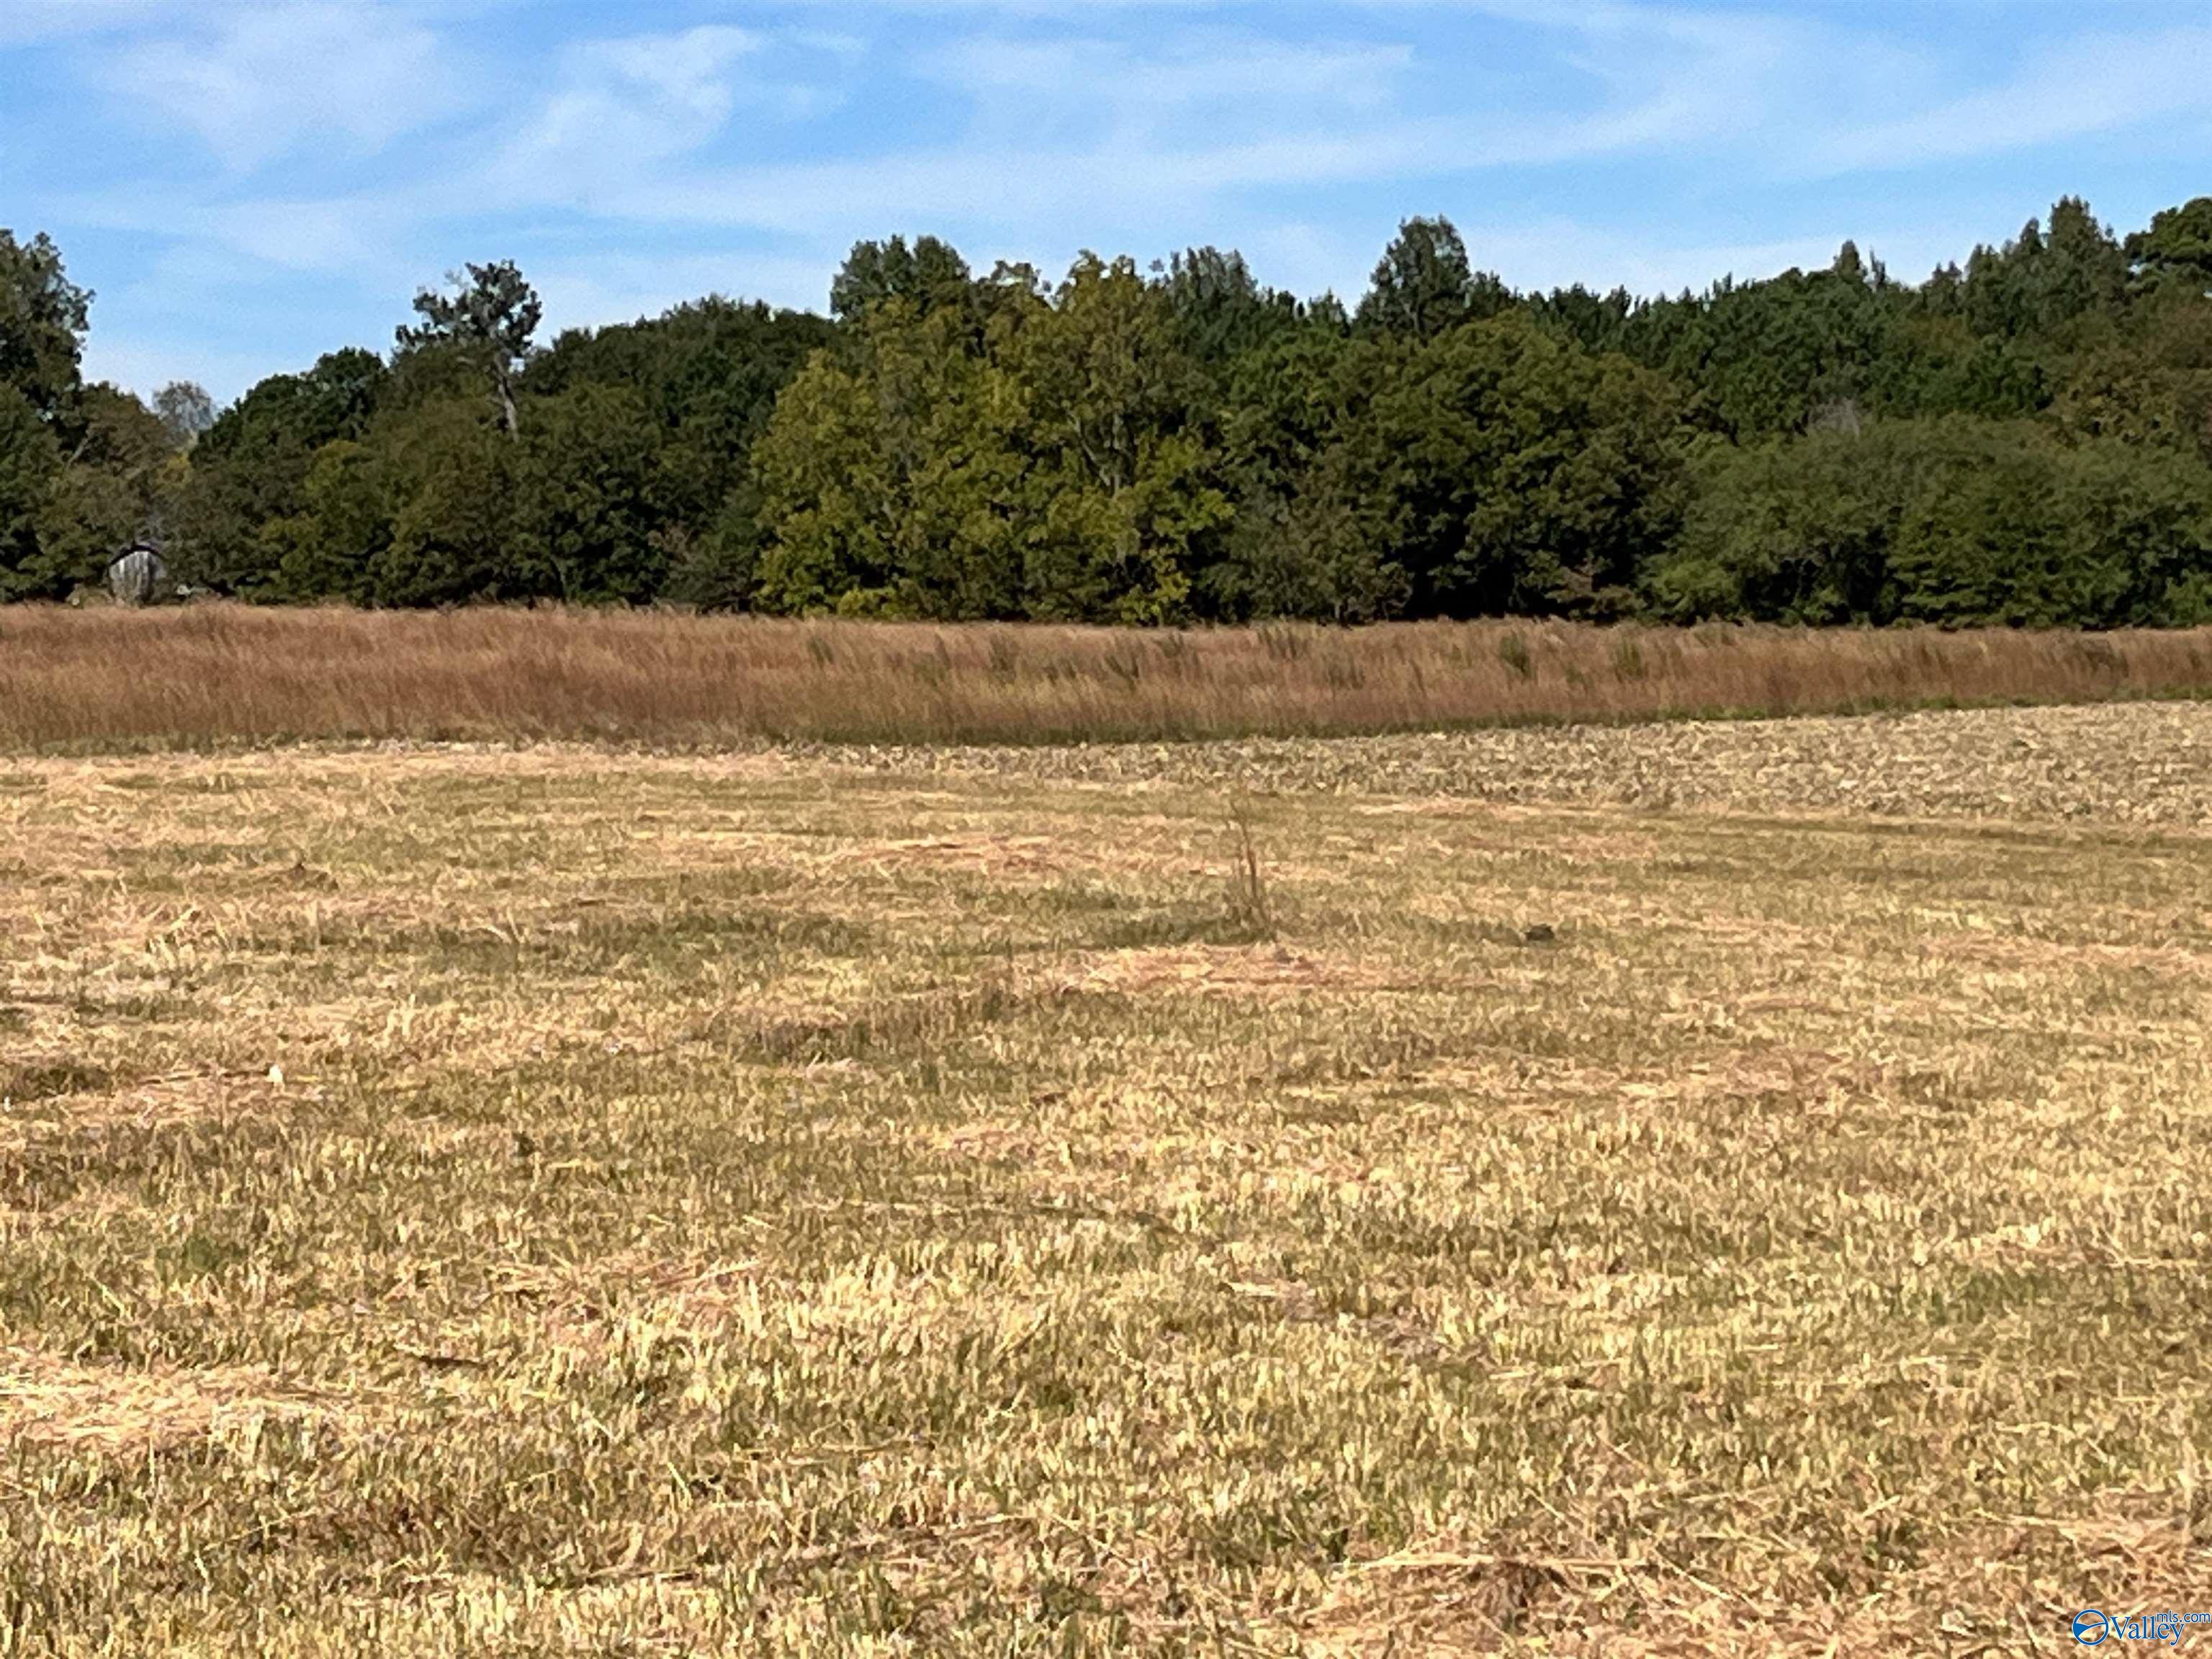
{"x":475,"y":1200}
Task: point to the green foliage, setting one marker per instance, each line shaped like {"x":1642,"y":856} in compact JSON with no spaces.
{"x":2178,"y":246}
{"x":113,"y":489}
{"x":929,"y":274}
{"x":1769,"y":356}
{"x":341,"y":532}
{"x":186,"y":410}
{"x":249,"y":473}
{"x":1792,"y":529}
{"x":422,"y":510}
{"x":2040,"y":285}
{"x":2150,"y":383}
{"x":2040,"y":534}
{"x":43,"y":317}
{"x":2025,"y":438}
{"x":1423,"y":283}
{"x":708,"y":374}
{"x":1044,"y":465}
{"x":1125,"y":470}
{"x":587,"y":490}
{"x":1952,"y":521}
{"x":1528,"y":476}
{"x":489,"y":321}
{"x":30,"y":459}
{"x":1312,"y":536}
{"x":64,"y":514}
{"x":446,"y":477}
{"x":890,"y":480}
{"x":1220,"y":310}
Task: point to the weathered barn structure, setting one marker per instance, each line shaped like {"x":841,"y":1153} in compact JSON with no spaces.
{"x":138,"y":576}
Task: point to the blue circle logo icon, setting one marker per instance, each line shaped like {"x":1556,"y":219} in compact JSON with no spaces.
{"x":2090,"y":1627}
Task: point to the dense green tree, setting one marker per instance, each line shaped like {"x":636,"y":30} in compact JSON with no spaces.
{"x":590,"y":522}
{"x":888,"y":479}
{"x":446,"y":476}
{"x":335,"y":544}
{"x":250,"y":471}
{"x":1322,"y":551}
{"x":1315,"y":533}
{"x":2177,"y":248}
{"x":707,"y":374}
{"x":1777,"y":356}
{"x":1597,"y":322}
{"x":1423,"y":283}
{"x":43,"y":318}
{"x":1530,"y":475}
{"x":421,"y":510}
{"x":1953,"y":520}
{"x":30,"y":460}
{"x":2040,"y":289}
{"x":489,"y":322}
{"x":2034,"y":534}
{"x":1128,"y":478}
{"x":2150,"y":382}
{"x":928,"y":274}
{"x":1220,"y":309}
{"x":1794,"y":530}
{"x":114,"y":487}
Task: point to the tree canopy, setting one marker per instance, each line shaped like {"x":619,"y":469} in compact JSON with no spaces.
{"x":2024,"y":436}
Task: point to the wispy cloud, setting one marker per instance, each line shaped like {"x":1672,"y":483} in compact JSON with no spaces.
{"x":2091,"y":83}
{"x":268,"y":81}
{"x":627,"y":104}
{"x":26,"y":22}
{"x":624,"y":109}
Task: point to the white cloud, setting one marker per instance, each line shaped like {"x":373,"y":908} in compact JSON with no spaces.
{"x":628,"y":103}
{"x":2088,"y":84}
{"x":273,"y":80}
{"x":622,"y":110}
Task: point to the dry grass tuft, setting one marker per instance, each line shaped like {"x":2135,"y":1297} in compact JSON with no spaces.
{"x":177,"y":1097}
{"x":216,"y":674}
{"x":122,"y":1411}
{"x":985,"y":854}
{"x":1228,"y":970}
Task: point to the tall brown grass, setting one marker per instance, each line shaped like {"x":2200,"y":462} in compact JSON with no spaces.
{"x":216,"y":674}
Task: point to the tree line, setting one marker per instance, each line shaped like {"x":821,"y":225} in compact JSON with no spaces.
{"x":2026,"y":439}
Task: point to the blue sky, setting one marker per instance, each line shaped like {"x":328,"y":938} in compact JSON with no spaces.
{"x":246,"y":185}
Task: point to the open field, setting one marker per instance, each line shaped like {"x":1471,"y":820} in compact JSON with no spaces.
{"x":214,"y":675}
{"x":1685,"y":1189}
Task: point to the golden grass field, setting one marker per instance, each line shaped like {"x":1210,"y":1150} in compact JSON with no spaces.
{"x":216,"y":674}
{"x":1737,"y":1188}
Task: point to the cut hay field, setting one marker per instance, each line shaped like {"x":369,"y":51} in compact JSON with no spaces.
{"x":1736,"y":1188}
